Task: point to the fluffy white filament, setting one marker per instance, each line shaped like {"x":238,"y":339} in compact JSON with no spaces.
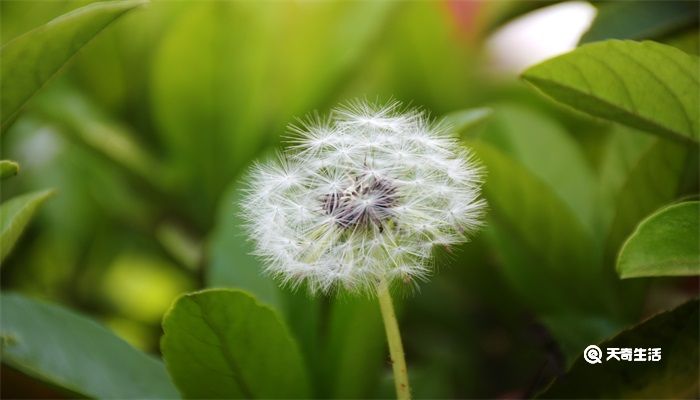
{"x":362,"y":196}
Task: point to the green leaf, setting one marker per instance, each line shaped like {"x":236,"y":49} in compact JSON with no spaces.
{"x":640,"y":173}
{"x":675,"y":376}
{"x":522,"y":133}
{"x":86,"y":125}
{"x":224,"y":344}
{"x":15,"y":215}
{"x":546,"y":224}
{"x":231,"y":265}
{"x":20,"y":17}
{"x":645,"y":85}
{"x":30,"y":60}
{"x":61,"y":347}
{"x":666,"y":243}
{"x":464,"y":121}
{"x":8,"y":169}
{"x":545,"y":253}
{"x":640,"y":20}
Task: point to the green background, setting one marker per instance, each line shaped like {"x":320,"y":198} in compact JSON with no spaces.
{"x":143,"y":117}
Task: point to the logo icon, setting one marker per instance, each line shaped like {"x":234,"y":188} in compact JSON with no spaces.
{"x":593,"y":354}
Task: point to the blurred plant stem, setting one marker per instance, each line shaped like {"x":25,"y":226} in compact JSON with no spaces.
{"x":180,"y":244}
{"x":393,"y":336}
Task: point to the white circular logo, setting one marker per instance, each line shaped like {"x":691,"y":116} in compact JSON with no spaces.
{"x":593,"y":354}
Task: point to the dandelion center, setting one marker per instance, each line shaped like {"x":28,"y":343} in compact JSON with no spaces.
{"x":367,"y":201}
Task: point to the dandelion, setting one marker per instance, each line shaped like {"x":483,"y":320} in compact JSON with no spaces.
{"x":362,"y":197}
{"x":360,"y":200}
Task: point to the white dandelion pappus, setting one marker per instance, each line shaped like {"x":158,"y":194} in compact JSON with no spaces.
{"x":361,"y":197}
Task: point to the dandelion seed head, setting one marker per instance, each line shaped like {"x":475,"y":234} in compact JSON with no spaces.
{"x":362,"y":196}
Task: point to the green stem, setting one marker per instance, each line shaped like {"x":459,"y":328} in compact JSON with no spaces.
{"x":393,"y":336}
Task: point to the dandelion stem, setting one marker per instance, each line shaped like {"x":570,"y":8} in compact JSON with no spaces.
{"x":393,"y":336}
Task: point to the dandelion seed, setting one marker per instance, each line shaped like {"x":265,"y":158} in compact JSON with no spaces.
{"x":362,"y":197}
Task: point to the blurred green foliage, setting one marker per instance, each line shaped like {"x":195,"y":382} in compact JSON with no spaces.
{"x":147,"y":131}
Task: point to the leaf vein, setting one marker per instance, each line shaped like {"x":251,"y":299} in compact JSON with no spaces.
{"x":663,"y":84}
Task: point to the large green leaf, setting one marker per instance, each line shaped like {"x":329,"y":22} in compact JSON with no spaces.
{"x":640,"y":173}
{"x":223,"y":344}
{"x":232,"y":265}
{"x":125,"y":53}
{"x":674,"y":377}
{"x":640,"y":20}
{"x":15,"y":215}
{"x":546,"y":223}
{"x":238,"y":84}
{"x":645,"y":85}
{"x":61,"y":347}
{"x":350,"y":359}
{"x":19,"y":17}
{"x":32,"y":59}
{"x":546,"y":254}
{"x":667,"y":243}
{"x":522,"y":133}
